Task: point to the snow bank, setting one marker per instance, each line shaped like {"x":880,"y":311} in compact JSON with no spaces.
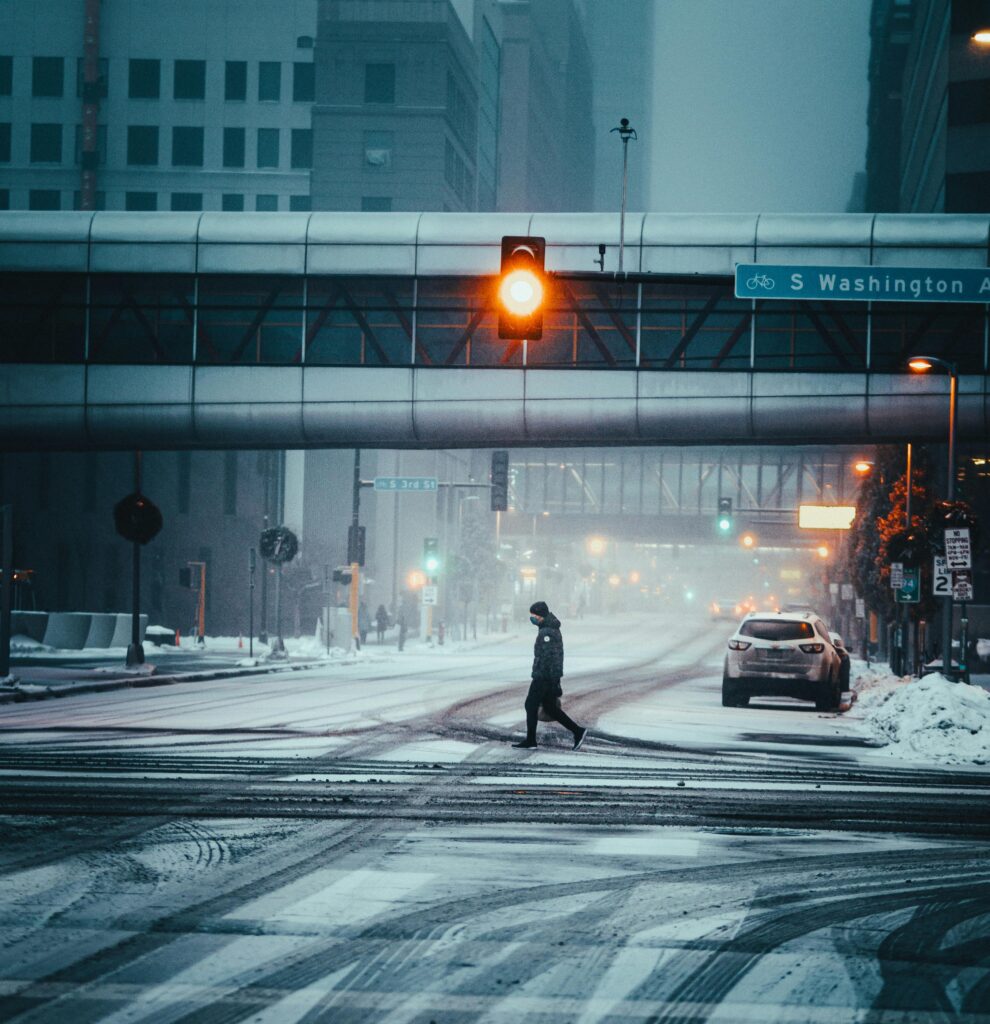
{"x":928,"y":719}
{"x":21,"y":644}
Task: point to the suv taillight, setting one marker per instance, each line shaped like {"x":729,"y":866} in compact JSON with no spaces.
{"x":738,"y":645}
{"x":812,"y":648}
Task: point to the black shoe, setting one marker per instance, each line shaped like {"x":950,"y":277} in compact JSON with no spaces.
{"x":579,"y":738}
{"x":526,"y":745}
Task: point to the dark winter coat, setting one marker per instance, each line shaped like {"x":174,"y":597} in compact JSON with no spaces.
{"x":548,"y":651}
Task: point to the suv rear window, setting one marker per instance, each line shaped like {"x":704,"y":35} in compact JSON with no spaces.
{"x":774,"y":629}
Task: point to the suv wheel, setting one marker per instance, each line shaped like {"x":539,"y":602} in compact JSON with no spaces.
{"x":731,"y":697}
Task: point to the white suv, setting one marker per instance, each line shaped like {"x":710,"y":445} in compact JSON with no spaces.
{"x":782,"y":654}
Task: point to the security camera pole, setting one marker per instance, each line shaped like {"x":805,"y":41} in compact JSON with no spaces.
{"x":625,"y":133}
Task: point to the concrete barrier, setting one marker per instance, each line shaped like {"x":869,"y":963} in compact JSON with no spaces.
{"x":74,"y":631}
{"x":67,"y":631}
{"x":32,"y":624}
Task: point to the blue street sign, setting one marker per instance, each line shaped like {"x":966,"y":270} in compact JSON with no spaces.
{"x":405,"y":483}
{"x":849,"y":284}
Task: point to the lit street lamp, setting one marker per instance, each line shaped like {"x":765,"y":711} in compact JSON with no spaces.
{"x":625,"y":133}
{"x":922,"y":364}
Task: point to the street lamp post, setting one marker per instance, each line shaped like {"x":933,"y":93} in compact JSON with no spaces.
{"x":625,"y":133}
{"x":922,"y":364}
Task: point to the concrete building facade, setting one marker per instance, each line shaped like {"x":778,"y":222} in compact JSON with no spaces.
{"x":199,"y":105}
{"x":929,"y":110}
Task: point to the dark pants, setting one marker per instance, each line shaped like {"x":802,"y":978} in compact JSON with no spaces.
{"x":544,"y":693}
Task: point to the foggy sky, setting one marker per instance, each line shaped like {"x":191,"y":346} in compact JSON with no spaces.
{"x":759,"y":105}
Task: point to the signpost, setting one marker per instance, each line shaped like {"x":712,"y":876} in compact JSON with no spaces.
{"x":429,"y":593}
{"x":868,"y":284}
{"x":847,"y":592}
{"x":909,"y":591}
{"x":860,"y":608}
{"x":958,"y":554}
{"x":941,"y":577}
{"x":405,"y":483}
{"x":896,"y":575}
{"x":962,"y":587}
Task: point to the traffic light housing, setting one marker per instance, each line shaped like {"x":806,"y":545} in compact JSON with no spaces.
{"x":137,"y":518}
{"x":355,"y":544}
{"x":521,"y":287}
{"x":342,"y":575}
{"x":431,"y":556}
{"x":500,"y":481}
{"x":723,"y":521}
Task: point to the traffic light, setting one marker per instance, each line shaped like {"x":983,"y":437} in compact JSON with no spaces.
{"x":355,"y":544}
{"x":137,"y":518}
{"x":521,"y":287}
{"x":342,"y":575}
{"x":431,"y":556}
{"x":723,"y":521}
{"x":500,"y":481}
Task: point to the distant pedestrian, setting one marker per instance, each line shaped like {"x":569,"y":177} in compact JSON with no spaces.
{"x":548,"y":667}
{"x":364,"y":622}
{"x":381,"y":622}
{"x":403,"y":624}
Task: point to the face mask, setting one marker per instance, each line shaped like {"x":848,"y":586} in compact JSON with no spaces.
{"x":534,"y":620}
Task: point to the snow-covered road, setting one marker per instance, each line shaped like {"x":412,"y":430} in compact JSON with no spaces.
{"x":360,"y":842}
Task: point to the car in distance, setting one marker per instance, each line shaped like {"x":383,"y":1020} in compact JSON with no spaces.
{"x":782,"y":654}
{"x":729,"y":609}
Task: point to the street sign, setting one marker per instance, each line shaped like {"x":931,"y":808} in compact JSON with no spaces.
{"x":909,"y":592}
{"x":957,"y":549}
{"x":860,"y":608}
{"x":833,"y":589}
{"x":847,"y":592}
{"x":896,"y":575}
{"x":962,"y":587}
{"x":429,"y":594}
{"x":405,"y":483}
{"x":866,"y":284}
{"x":941,"y":578}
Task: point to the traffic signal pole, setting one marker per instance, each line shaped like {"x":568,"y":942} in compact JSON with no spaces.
{"x":355,"y":568}
{"x":135,"y":652}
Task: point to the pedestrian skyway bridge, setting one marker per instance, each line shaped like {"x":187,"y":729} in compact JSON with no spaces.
{"x":174,"y":330}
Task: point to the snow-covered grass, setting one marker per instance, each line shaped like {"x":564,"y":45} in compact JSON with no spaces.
{"x":931,"y":719}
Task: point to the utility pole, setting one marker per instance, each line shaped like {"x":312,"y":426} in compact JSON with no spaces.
{"x":135,"y":651}
{"x":625,"y":133}
{"x":352,"y":553}
{"x":7,"y":559}
{"x":252,"y":561}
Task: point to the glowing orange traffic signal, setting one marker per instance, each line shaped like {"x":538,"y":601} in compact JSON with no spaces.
{"x":521,"y":288}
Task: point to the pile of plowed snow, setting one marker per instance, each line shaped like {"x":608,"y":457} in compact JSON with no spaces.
{"x":927,"y":719}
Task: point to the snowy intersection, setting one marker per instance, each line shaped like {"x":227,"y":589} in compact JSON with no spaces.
{"x":360,"y":842}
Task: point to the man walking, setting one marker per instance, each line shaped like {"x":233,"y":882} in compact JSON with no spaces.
{"x":548,"y":667}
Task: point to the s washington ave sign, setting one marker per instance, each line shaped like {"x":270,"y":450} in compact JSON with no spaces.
{"x":879,"y":284}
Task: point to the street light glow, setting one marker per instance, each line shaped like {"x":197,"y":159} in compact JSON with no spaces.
{"x":596,"y":545}
{"x":920,"y":364}
{"x":863,"y":467}
{"x":748,"y":540}
{"x":822,"y":551}
{"x":521,"y":292}
{"x":982,"y":37}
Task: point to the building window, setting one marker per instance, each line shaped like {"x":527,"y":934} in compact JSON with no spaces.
{"x":4,"y":142}
{"x":969,"y":102}
{"x":305,"y":42}
{"x":44,"y":199}
{"x":378,"y":148}
{"x":230,"y":483}
{"x":303,"y":82}
{"x":184,"y":481}
{"x":46,"y":143}
{"x":101,"y":145}
{"x":302,"y":148}
{"x":187,"y":147}
{"x":376,"y":204}
{"x":100,"y":200}
{"x":300,"y":204}
{"x":190,"y":80}
{"x":143,"y":79}
{"x":6,"y":76}
{"x":270,"y":81}
{"x":140,"y":201}
{"x":235,"y":80}
{"x":4,"y":198}
{"x":379,"y":83}
{"x":268,"y":147}
{"x":47,"y":76}
{"x":187,"y":201}
{"x":233,"y":147}
{"x":266,"y":204}
{"x":142,"y":145}
{"x":102,"y":73}
{"x":232,"y":202}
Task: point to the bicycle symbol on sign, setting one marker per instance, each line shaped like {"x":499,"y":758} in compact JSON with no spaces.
{"x":760,"y":281}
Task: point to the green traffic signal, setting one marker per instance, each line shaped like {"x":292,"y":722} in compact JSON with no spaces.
{"x":724,"y":524}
